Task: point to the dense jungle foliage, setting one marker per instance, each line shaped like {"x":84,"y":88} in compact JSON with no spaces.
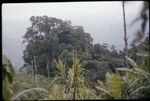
{"x":62,"y":63}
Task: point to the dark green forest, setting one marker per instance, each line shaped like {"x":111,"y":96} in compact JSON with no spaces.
{"x":62,"y":62}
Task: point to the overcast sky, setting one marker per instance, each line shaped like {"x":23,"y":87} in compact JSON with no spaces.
{"x":103,"y":20}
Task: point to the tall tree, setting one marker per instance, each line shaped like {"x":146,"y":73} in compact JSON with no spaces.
{"x":49,"y":37}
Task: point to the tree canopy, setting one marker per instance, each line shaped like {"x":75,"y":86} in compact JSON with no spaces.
{"x":49,"y":37}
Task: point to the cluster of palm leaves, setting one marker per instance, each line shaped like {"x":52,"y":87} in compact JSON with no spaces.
{"x":134,"y":84}
{"x":74,"y":83}
{"x":67,"y":84}
{"x":10,"y":84}
{"x":70,"y":84}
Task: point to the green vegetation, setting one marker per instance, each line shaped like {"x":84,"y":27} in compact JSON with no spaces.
{"x":71,"y":84}
{"x":62,"y":63}
{"x":7,"y":78}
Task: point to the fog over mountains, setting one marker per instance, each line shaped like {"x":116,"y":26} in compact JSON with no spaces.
{"x":103,"y":22}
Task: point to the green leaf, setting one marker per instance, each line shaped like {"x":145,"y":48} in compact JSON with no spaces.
{"x":6,"y":91}
{"x":8,"y":69}
{"x":7,"y":73}
{"x":132,"y":62}
{"x":103,"y":90}
{"x":123,"y":69}
{"x":24,"y":95}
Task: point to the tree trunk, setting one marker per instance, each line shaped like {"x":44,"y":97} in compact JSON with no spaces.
{"x":36,"y":80}
{"x":47,"y":67}
{"x":35,"y":65}
{"x":125,"y":35}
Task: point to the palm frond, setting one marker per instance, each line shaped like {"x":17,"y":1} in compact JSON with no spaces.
{"x":132,"y":62}
{"x":57,"y":92}
{"x":24,"y":95}
{"x":137,"y":90}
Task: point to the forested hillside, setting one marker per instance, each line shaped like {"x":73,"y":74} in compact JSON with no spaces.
{"x":50,"y":38}
{"x":63,"y":63}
